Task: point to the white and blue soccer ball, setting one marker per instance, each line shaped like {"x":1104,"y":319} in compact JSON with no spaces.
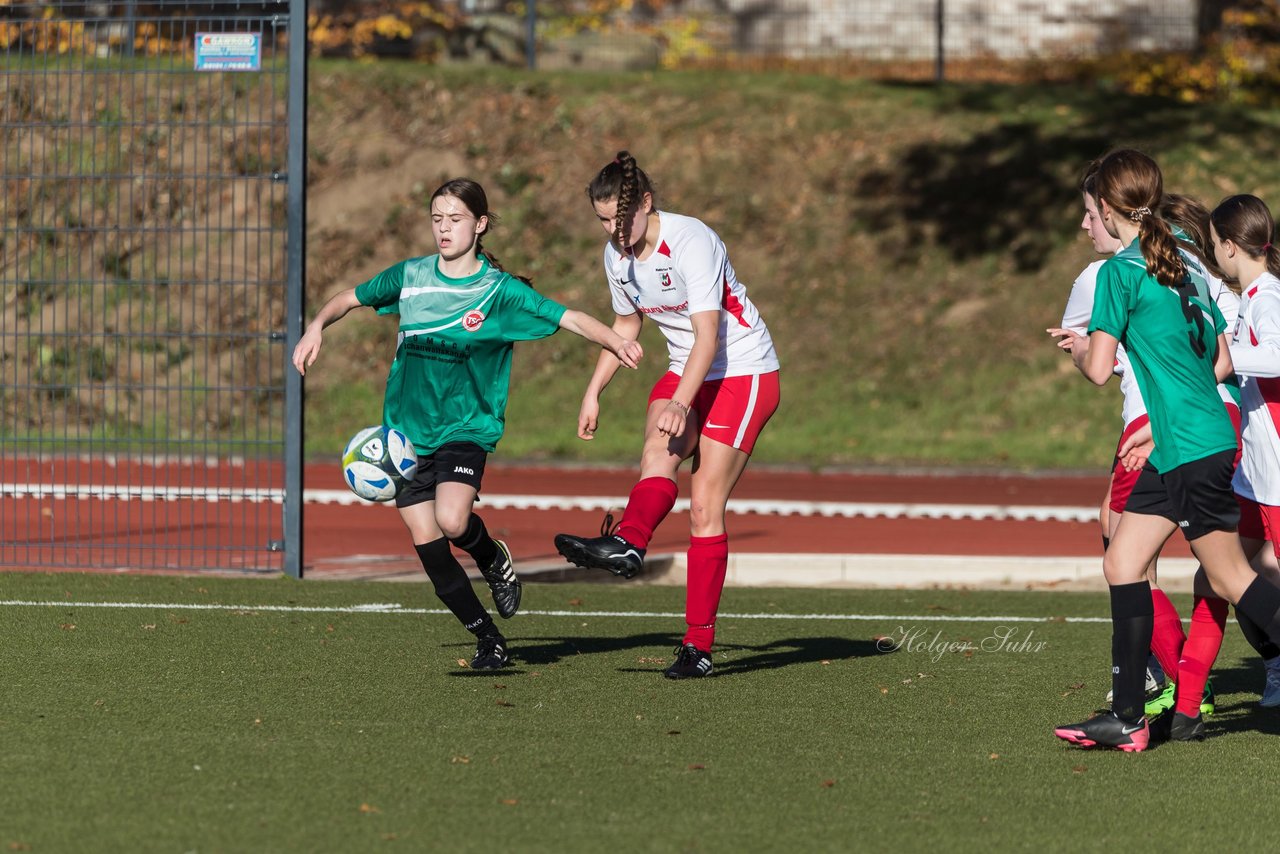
{"x":379,"y":463}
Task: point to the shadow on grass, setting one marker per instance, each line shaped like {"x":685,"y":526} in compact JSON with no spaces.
{"x":551,"y":651}
{"x":730,"y":659}
{"x":735,"y":659}
{"x":791,"y":651}
{"x":532,"y":652}
{"x":1241,"y":714}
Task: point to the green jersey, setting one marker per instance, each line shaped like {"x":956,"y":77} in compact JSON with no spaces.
{"x":1171,"y":338}
{"x":452,"y":369}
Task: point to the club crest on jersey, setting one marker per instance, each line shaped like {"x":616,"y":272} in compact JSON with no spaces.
{"x":472,"y":320}
{"x":666,"y":281}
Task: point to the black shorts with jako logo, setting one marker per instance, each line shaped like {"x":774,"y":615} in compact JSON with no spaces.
{"x":452,"y":462}
{"x":1196,"y":496}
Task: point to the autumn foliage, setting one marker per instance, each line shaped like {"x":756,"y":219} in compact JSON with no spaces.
{"x":1238,"y":59}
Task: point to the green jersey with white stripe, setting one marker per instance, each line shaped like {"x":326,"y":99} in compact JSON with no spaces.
{"x":452,"y":368}
{"x":1171,"y":338}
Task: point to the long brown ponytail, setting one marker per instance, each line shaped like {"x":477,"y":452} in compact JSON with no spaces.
{"x":625,"y":181}
{"x":1131,"y":183}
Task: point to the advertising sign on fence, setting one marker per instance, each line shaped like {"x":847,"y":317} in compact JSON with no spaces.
{"x":228,"y":51}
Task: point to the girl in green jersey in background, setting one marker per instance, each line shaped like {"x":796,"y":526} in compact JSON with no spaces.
{"x":460,"y":314}
{"x":1148,"y":300}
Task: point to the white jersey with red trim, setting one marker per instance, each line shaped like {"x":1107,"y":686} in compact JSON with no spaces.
{"x":1255,"y":352}
{"x":1076,"y":318}
{"x":1080,"y":308}
{"x":688,"y":272}
{"x":1228,"y":303}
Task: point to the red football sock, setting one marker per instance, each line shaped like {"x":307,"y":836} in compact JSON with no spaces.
{"x":1208,"y":621}
{"x":708,"y":562}
{"x":650,"y":502}
{"x":1167,"y":637}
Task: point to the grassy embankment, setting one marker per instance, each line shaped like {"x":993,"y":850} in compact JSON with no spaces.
{"x":907,"y":245}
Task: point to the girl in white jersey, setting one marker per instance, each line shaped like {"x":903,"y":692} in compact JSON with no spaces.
{"x":460,"y":315}
{"x":1242,"y":231}
{"x":720,"y":389}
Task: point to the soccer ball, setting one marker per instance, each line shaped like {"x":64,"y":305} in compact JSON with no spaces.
{"x":379,"y":463}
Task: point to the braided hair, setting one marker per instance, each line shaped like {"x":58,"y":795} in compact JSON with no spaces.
{"x":623,"y":180}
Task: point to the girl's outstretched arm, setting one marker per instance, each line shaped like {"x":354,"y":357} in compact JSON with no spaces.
{"x":304,"y":355}
{"x":627,"y":350}
{"x":626,"y":327}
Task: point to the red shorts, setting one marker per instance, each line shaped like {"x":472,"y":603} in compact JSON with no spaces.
{"x":1122,"y":480}
{"x":1259,"y":521}
{"x":732,"y":411}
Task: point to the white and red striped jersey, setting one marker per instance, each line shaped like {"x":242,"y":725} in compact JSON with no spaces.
{"x":689,"y":272}
{"x":1255,"y":352}
{"x":1080,"y":308}
{"x":1076,"y":317}
{"x":1228,"y":303}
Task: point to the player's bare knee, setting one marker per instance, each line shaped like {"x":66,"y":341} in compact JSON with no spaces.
{"x":705,"y":519}
{"x":453,"y":523}
{"x":1118,"y":571}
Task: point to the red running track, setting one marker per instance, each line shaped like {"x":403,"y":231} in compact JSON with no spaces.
{"x":530,"y":532}
{"x":33,"y":530}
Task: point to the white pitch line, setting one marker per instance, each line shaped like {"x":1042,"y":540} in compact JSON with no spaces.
{"x":845,"y":509}
{"x":392,"y":608}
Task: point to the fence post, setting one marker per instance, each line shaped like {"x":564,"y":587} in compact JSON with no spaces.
{"x":531,"y":33}
{"x":940,"y":66}
{"x":295,"y":278}
{"x":131,"y":26}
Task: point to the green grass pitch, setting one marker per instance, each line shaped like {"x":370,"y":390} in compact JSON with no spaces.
{"x":261,"y":725}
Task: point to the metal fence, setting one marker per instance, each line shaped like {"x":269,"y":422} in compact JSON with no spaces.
{"x":901,"y":38}
{"x":151,"y":236}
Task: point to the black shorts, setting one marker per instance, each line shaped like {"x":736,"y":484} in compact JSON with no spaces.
{"x":1196,"y":496}
{"x":452,"y":462}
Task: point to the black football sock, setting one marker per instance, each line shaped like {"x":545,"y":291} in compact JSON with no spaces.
{"x":1132,"y":618}
{"x":476,"y":542}
{"x":1261,"y":605}
{"x":454,"y":588}
{"x":1257,"y":638}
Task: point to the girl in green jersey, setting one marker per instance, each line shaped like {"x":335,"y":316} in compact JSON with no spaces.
{"x":1149,"y":301}
{"x":460,"y":315}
